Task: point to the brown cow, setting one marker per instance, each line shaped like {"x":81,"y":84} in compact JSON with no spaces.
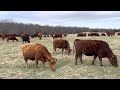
{"x":34,"y":51}
{"x":12,"y":38}
{"x":3,"y":37}
{"x":103,"y":34}
{"x":96,"y":48}
{"x":81,"y":34}
{"x":57,"y":36}
{"x":93,"y":34}
{"x":61,"y":44}
{"x":112,"y":33}
{"x":39,"y":36}
{"x":65,"y":34}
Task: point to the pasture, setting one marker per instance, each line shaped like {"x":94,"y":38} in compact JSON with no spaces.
{"x":12,"y":64}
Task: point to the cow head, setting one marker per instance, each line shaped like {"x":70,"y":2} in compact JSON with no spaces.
{"x":52,"y":63}
{"x":113,"y":60}
{"x":69,"y":50}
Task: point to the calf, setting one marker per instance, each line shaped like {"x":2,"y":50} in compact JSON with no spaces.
{"x":96,"y":48}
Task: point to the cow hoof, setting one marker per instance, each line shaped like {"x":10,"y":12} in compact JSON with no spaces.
{"x":101,"y":65}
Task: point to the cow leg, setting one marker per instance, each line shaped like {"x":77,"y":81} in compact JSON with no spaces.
{"x":62,"y":50}
{"x":36,"y":63}
{"x":94,"y":60}
{"x":43,"y":64}
{"x":76,"y":57}
{"x":100,"y":61}
{"x":26,"y":62}
{"x":54,"y":50}
{"x":80,"y":57}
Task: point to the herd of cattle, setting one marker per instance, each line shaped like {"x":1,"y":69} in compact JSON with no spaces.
{"x":35,"y":51}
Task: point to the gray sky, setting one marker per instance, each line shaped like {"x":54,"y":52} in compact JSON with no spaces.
{"x":92,"y":19}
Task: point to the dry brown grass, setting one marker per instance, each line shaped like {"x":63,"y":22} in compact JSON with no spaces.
{"x":12,"y":64}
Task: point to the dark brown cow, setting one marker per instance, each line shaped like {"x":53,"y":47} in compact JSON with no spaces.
{"x":61,"y":44}
{"x":112,"y":33}
{"x":34,"y":51}
{"x":34,"y":35}
{"x":57,"y":36}
{"x":96,"y":48}
{"x":81,"y":34}
{"x":118,"y":33}
{"x":103,"y":34}
{"x":12,"y":38}
{"x":93,"y":34}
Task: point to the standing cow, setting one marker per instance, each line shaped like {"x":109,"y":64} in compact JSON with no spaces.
{"x":96,"y":48}
{"x":11,"y":38}
{"x":25,"y":38}
{"x":39,"y":36}
{"x":34,"y":51}
{"x":61,"y":44}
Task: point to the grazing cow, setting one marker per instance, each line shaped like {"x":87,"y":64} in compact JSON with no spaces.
{"x":25,"y":38}
{"x":57,"y":36}
{"x":103,"y":34}
{"x":3,"y":37}
{"x":65,"y":34}
{"x":39,"y":36}
{"x":11,"y":38}
{"x":34,"y":35}
{"x":81,"y":34}
{"x":96,"y":48}
{"x":93,"y":34}
{"x":61,"y":44}
{"x":112,"y":33}
{"x":34,"y":51}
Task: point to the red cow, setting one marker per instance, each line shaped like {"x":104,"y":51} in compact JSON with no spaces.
{"x":61,"y":44}
{"x":34,"y":51}
{"x":96,"y":48}
{"x":12,"y":38}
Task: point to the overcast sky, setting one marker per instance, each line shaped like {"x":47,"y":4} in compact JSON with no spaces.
{"x":92,"y":19}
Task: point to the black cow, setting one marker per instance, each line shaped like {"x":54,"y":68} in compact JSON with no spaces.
{"x":26,"y":39}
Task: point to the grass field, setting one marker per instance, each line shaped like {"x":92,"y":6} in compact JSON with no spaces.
{"x":12,"y":64}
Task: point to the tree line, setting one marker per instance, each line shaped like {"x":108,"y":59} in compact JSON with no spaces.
{"x":10,"y":27}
